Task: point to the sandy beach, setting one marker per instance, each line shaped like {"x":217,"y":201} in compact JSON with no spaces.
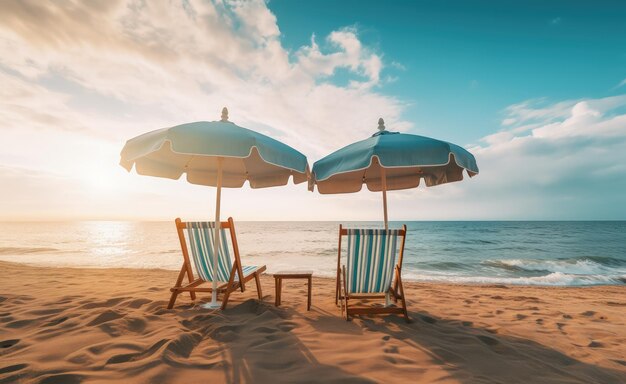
{"x":66,"y":325}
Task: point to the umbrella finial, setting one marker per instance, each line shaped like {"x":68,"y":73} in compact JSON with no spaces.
{"x":381,"y":124}
{"x":224,"y":114}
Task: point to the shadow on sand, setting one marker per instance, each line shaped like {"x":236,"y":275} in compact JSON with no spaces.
{"x":258,"y":339}
{"x":253,"y":341}
{"x":473,"y":354}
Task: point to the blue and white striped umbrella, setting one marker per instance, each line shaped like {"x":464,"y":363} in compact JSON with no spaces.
{"x":391,"y":161}
{"x":218,"y":154}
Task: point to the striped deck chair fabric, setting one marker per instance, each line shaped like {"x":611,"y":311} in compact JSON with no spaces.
{"x":371,"y":256}
{"x":201,"y":240}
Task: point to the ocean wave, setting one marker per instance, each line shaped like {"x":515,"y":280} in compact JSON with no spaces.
{"x":24,"y":251}
{"x":439,"y":265}
{"x":576,"y":266}
{"x":553,"y":279}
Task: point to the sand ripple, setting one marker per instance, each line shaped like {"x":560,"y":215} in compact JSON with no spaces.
{"x":73,"y":325}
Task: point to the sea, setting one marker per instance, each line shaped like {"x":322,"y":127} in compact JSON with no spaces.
{"x":550,"y":253}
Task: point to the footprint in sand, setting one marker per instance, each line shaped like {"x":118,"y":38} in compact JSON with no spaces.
{"x":136,"y":325}
{"x":64,"y":378}
{"x":105,"y":316}
{"x":519,"y":316}
{"x":9,"y":343}
{"x":162,"y":304}
{"x":103,"y":304}
{"x":12,"y":368}
{"x":123,"y":358}
{"x":428,"y":319}
{"x":137,"y":356}
{"x":20,"y":323}
{"x":137,"y":303}
{"x":163,"y":311}
{"x":588,"y":313}
{"x":226,"y":333}
{"x":490,"y":341}
{"x":184,"y":344}
{"x":393,"y":350}
{"x":54,"y":322}
{"x":68,"y":299}
{"x":596,"y":344}
{"x":286,"y":326}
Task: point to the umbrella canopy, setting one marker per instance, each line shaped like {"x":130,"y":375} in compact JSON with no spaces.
{"x":406,"y":160}
{"x":391,"y":161}
{"x":218,"y":154}
{"x":194,"y":149}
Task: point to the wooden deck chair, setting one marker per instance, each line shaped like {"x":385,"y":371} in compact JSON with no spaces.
{"x":371,"y":271}
{"x":231,"y":275}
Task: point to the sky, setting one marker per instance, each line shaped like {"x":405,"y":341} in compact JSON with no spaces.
{"x":535,"y":90}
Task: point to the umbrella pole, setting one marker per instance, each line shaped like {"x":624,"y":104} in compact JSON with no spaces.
{"x":216,"y":240}
{"x":383,"y":177}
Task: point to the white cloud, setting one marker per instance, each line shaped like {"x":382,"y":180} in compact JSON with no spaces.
{"x":567,"y":164}
{"x":79,"y":78}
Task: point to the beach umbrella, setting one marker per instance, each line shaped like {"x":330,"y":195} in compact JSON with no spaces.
{"x":390,"y":161}
{"x":217,"y":154}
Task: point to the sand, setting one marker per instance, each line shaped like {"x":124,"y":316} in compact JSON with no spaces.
{"x":65,"y":325}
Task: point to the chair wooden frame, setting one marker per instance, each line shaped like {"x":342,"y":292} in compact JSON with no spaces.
{"x":343,"y":297}
{"x":226,"y":288}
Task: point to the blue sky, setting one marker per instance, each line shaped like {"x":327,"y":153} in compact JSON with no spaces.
{"x":535,"y":90}
{"x":476,"y":57}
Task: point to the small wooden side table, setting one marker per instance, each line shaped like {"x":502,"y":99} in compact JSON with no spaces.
{"x":278,"y":280}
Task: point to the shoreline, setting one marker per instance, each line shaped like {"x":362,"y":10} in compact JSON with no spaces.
{"x":100,"y":325}
{"x":318,"y":276}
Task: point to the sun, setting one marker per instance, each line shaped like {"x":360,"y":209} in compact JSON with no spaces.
{"x":102,"y":177}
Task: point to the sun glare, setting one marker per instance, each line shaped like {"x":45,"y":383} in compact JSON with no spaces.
{"x":102,"y":178}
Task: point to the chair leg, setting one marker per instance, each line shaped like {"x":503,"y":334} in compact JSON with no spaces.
{"x":187,"y":267}
{"x":170,"y":305}
{"x":396,"y":289}
{"x":258,"y":286}
{"x":179,"y":282}
{"x":345,"y":293}
{"x":342,"y":308}
{"x":229,"y":289}
{"x":337,"y":288}
{"x":242,"y":284}
{"x":401,"y":288}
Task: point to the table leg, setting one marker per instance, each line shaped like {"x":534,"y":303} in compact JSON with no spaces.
{"x":308,"y":303}
{"x":276,"y":290}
